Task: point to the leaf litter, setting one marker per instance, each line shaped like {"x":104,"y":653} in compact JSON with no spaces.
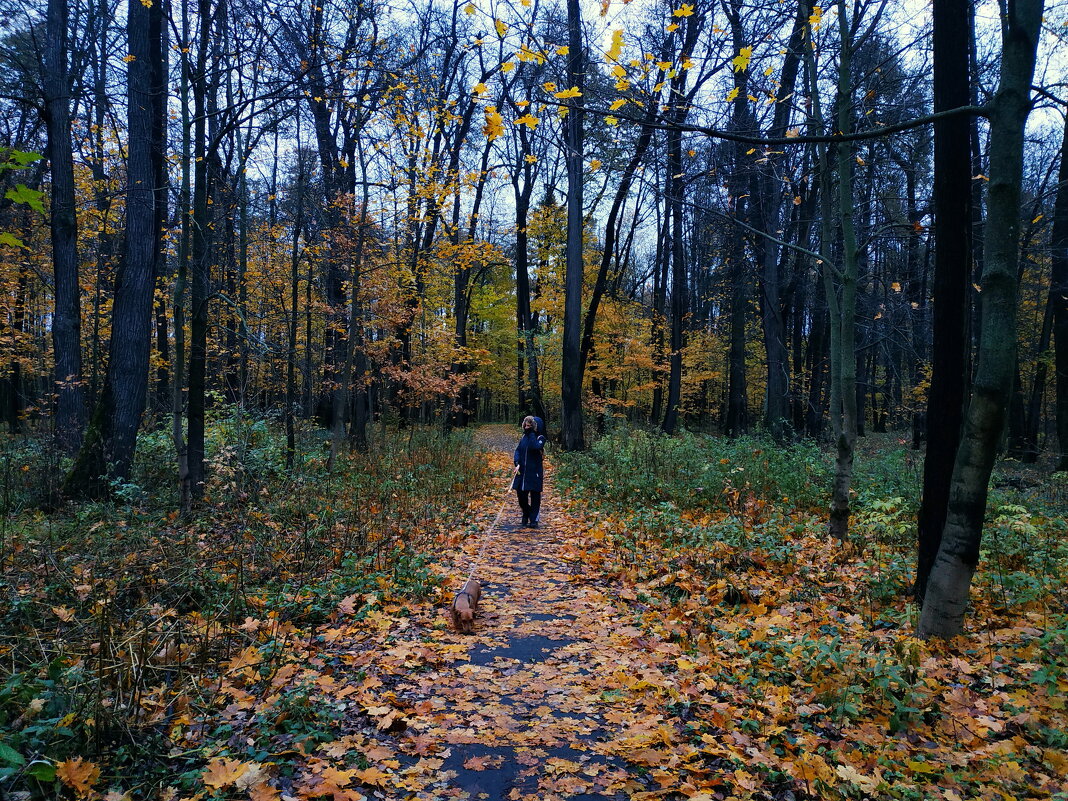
{"x":598,"y":675}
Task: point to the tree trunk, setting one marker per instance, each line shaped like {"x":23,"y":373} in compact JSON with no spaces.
{"x":108,"y":449}
{"x":949,"y":583}
{"x":66,"y":323}
{"x":767,"y":210}
{"x":953,"y":213}
{"x":1058,"y":298}
{"x":201,"y":257}
{"x":571,"y":362}
{"x":737,"y":421}
{"x":842,"y":300}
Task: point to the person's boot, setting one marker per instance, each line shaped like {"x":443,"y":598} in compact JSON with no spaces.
{"x":526,"y":520}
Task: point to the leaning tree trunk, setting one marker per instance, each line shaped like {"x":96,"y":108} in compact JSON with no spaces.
{"x":951,"y":575}
{"x":953,"y":257}
{"x":66,"y":322}
{"x":571,"y":363}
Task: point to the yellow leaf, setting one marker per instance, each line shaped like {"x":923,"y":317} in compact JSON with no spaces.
{"x":793,"y":132}
{"x":732,"y":94}
{"x":567,"y":93}
{"x":469,"y":9}
{"x":618,"y":104}
{"x":146,"y":3}
{"x":528,"y":120}
{"x":549,"y":86}
{"x":616,"y":47}
{"x":618,"y":71}
{"x":612,"y":120}
{"x":674,"y":26}
{"x":502,"y":29}
{"x":664,"y":65}
{"x":815,"y":18}
{"x":129,"y":57}
{"x":508,"y":66}
{"x":563,"y":50}
{"x":685,"y":10}
{"x":595,"y":164}
{"x":896,"y":287}
{"x":529,"y":159}
{"x":480,"y":88}
{"x":741,"y":61}
{"x":494,"y":126}
{"x":374,"y":776}
{"x":853,"y":776}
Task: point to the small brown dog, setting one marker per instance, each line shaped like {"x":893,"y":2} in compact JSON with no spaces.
{"x":464,"y":606}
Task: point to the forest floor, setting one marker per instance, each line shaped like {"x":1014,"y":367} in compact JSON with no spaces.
{"x":679,"y":627}
{"x":541,"y":702}
{"x":594,"y":672}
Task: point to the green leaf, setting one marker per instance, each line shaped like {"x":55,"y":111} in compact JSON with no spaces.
{"x":11,"y":240}
{"x":42,"y":771}
{"x":30,"y":197}
{"x":22,"y":158}
{"x":10,"y":756}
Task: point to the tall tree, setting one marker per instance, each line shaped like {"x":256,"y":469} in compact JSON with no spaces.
{"x":953,"y":265}
{"x":948,"y":587}
{"x":66,"y":323}
{"x":571,"y":365}
{"x":1058,"y":298}
{"x":110,"y":441}
{"x":767,"y":210}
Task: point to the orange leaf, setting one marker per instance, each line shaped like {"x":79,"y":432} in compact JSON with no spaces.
{"x":78,"y":774}
{"x":223,"y":772}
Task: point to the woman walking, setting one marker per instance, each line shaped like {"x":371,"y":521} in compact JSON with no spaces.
{"x":529,"y":470}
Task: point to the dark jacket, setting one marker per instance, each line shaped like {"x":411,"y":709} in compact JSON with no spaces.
{"x":528,"y":455}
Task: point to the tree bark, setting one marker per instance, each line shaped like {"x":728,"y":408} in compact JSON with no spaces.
{"x":767,"y":209}
{"x":949,"y":583}
{"x":571,"y":361}
{"x":953,"y":266}
{"x":108,"y":449}
{"x":1058,"y":297}
{"x":201,"y":255}
{"x":66,"y":323}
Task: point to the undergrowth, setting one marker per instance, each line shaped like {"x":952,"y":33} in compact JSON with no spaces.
{"x":114,"y":616}
{"x":722,"y":543}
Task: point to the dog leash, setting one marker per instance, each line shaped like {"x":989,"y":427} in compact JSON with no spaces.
{"x":496,"y":520}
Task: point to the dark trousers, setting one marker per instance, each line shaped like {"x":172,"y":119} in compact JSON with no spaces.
{"x":530,"y":503}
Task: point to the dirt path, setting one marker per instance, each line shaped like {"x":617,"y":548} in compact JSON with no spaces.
{"x":526,"y":708}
